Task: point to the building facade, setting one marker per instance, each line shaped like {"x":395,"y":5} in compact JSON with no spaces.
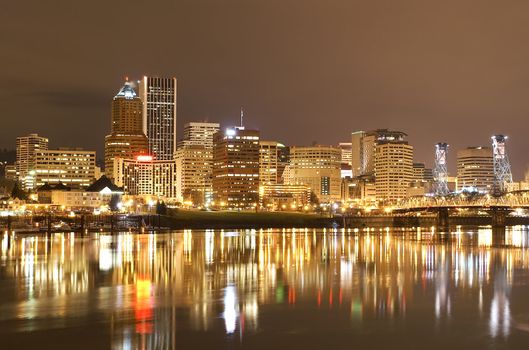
{"x":126,"y":139}
{"x":199,"y":134}
{"x":145,"y":176}
{"x":194,"y":171}
{"x":73,"y":167}
{"x":356,"y":153}
{"x":236,"y":168}
{"x":284,"y":196}
{"x":27,"y":148}
{"x":393,"y":170}
{"x":159,"y":96}
{"x":270,"y":162}
{"x":319,"y":168}
{"x":475,"y":169}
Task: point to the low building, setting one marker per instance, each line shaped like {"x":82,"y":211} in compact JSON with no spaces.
{"x":284,"y":197}
{"x":73,"y":167}
{"x":97,"y":195}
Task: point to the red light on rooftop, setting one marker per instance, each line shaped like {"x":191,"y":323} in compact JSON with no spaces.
{"x":144,"y":158}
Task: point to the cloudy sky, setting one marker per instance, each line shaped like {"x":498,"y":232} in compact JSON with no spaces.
{"x":452,"y":71}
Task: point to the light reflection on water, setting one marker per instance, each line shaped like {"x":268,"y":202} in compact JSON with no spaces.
{"x":253,"y":287}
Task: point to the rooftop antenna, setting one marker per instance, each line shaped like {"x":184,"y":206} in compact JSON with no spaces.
{"x":242,"y":117}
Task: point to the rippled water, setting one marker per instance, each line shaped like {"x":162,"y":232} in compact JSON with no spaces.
{"x":306,"y":289}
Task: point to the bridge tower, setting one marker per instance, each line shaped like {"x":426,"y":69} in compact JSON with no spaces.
{"x":502,"y":167}
{"x":440,"y":171}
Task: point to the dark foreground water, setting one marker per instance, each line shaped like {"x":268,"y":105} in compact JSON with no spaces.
{"x":268,"y":289}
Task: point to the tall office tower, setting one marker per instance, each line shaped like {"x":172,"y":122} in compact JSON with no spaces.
{"x":475,"y":169}
{"x":370,"y":140}
{"x":319,"y":168}
{"x":356,"y":152}
{"x":422,"y":173}
{"x":159,"y":115}
{"x":27,"y":149}
{"x":393,"y":169}
{"x":73,"y":167}
{"x":194,"y":171}
{"x":144,"y":176}
{"x":126,"y":139}
{"x":236,"y":167}
{"x":199,"y":133}
{"x":271,"y":164}
{"x":194,"y":163}
{"x":347,"y":152}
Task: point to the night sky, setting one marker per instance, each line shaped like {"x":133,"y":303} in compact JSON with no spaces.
{"x":452,"y":71}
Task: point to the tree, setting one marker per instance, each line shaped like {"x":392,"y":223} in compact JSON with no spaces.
{"x":18,"y":193}
{"x":114,"y":202}
{"x":161,"y":208}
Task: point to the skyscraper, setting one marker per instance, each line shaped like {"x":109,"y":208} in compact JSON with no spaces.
{"x":27,"y":149}
{"x":126,"y":139}
{"x":393,"y":169}
{"x":318,"y":167}
{"x":270,"y":165}
{"x":236,"y":167}
{"x":475,"y":169}
{"x":159,"y":115}
{"x":356,"y":152}
{"x":194,"y":163}
{"x":199,"y":133}
{"x":369,"y":142}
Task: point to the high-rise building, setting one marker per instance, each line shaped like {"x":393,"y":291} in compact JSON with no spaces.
{"x":27,"y":149}
{"x":422,"y":173}
{"x":126,"y":139}
{"x":393,"y":165}
{"x":145,"y":176}
{"x":369,"y":143}
{"x":356,"y":152}
{"x":194,"y":163}
{"x":236,"y":167}
{"x":159,"y":115}
{"x":270,"y":162}
{"x":199,"y":134}
{"x":475,"y":169}
{"x":318,"y":167}
{"x":347,"y":152}
{"x":194,"y":171}
{"x":73,"y":167}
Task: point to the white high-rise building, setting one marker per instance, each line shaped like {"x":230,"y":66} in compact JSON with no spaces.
{"x":194,"y":163}
{"x":27,"y":149}
{"x":393,"y":165}
{"x":159,"y":115}
{"x":194,"y":171}
{"x":199,"y":133}
{"x":475,"y":169}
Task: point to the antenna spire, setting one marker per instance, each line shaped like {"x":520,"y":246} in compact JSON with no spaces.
{"x":242,"y":117}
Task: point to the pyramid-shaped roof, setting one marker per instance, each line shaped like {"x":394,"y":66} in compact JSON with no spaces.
{"x":127,"y":91}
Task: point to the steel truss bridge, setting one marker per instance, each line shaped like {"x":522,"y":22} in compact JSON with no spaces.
{"x":497,"y":207}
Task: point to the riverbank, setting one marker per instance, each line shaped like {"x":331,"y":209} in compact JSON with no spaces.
{"x":188,"y":219}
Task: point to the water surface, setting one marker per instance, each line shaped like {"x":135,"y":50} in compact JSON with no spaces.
{"x":263,"y":289}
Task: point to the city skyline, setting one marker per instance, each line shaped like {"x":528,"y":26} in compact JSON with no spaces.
{"x":457,"y":83}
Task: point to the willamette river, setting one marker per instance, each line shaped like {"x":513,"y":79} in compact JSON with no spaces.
{"x":267,"y":289}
